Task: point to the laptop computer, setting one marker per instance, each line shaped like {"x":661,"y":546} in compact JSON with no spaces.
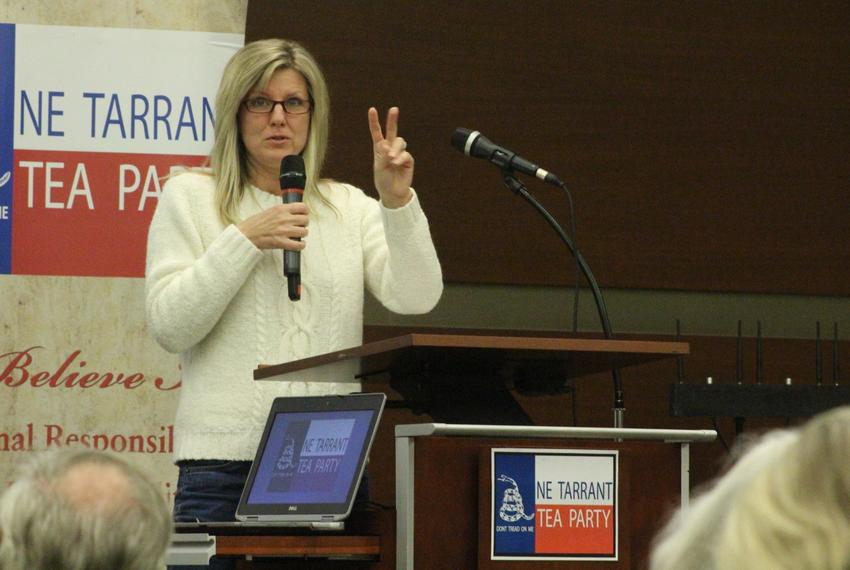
{"x":310,"y":460}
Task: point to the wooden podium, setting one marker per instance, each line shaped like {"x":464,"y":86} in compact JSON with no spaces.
{"x":443,"y":485}
{"x":465,"y":379}
{"x":367,"y":541}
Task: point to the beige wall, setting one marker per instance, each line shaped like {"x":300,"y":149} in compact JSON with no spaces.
{"x":226,"y":16}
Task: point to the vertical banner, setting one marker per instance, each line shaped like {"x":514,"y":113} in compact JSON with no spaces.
{"x":92,"y":122}
{"x":554,"y":504}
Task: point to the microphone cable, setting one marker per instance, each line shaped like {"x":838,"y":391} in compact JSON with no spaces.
{"x":577,"y":288}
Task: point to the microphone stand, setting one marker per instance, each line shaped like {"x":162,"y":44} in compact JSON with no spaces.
{"x":519,"y":189}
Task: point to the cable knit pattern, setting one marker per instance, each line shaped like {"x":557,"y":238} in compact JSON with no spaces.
{"x":222,"y":303}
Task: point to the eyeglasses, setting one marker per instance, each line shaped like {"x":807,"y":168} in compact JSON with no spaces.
{"x":291,"y":106}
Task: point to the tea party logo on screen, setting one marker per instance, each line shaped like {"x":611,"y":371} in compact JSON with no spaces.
{"x":92,"y":122}
{"x":554,"y":504}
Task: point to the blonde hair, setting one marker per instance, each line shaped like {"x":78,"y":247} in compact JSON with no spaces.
{"x":252,"y":66}
{"x":796,"y":515}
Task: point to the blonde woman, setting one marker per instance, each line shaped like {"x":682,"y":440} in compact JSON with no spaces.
{"x":215,"y":291}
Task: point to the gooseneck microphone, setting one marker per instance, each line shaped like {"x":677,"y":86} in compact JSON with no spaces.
{"x":476,"y":145}
{"x":472,"y":143}
{"x":293,"y":178}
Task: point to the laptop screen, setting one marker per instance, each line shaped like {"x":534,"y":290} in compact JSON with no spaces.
{"x":311,"y":457}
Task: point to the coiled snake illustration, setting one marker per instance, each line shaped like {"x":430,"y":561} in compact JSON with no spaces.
{"x":512,"y":509}
{"x":285,"y":461}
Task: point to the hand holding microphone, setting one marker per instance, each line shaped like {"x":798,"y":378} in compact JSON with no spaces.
{"x":283,"y":226}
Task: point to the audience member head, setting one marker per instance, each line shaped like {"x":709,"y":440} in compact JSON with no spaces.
{"x":82,"y":509}
{"x":251,"y":68}
{"x":796,"y":515}
{"x":688,"y":540}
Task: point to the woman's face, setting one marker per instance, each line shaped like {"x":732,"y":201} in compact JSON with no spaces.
{"x":268,"y":137}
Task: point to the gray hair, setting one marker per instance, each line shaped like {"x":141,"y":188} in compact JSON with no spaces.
{"x":118,"y":521}
{"x":253,"y":66}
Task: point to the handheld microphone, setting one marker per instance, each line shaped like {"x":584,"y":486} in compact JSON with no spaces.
{"x":293,"y":178}
{"x":476,"y":145}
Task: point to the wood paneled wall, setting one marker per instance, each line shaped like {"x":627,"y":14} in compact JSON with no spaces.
{"x":647,"y":390}
{"x":706,"y":144}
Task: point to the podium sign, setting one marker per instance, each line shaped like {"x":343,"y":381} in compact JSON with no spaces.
{"x":554,"y":504}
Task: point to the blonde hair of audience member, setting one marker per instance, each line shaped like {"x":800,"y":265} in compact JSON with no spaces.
{"x":687,"y":542}
{"x":81,"y":510}
{"x":796,"y":515}
{"x":254,"y":66}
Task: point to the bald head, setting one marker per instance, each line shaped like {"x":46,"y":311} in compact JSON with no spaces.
{"x":95,"y":486}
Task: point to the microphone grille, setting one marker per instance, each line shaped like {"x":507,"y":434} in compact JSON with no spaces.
{"x":460,"y":138}
{"x":292,"y":172}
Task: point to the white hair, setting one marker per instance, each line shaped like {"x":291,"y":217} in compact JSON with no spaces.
{"x":54,"y":517}
{"x":796,"y":516}
{"x":687,"y":542}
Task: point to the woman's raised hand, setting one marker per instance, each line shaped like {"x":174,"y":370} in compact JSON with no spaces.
{"x":393,"y":163}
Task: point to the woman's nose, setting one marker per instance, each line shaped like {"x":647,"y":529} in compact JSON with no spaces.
{"x":278,"y":114}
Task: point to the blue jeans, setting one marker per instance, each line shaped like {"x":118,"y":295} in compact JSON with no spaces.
{"x":209,"y":491}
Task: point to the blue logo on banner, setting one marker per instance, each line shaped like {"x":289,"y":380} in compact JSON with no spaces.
{"x":514,"y":503}
{"x":7,"y":141}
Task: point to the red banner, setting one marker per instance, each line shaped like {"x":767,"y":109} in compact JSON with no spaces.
{"x":86,"y":214}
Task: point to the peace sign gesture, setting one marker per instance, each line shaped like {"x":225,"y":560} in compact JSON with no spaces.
{"x":393,"y":164}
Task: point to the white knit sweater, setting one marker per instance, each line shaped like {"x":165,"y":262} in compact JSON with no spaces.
{"x":221,"y":303}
